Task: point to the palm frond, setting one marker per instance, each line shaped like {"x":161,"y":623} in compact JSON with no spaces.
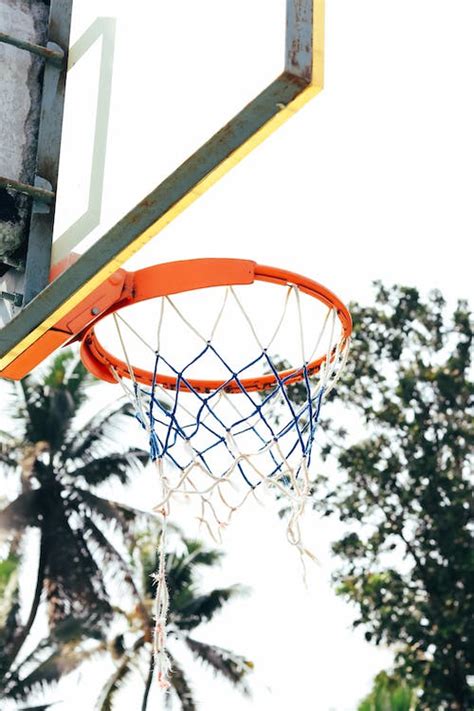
{"x":8,"y":639}
{"x":118,"y":464}
{"x":24,"y":391}
{"x":46,"y":645}
{"x":8,"y":452}
{"x":15,"y":640}
{"x":65,"y":371}
{"x":232,"y":666}
{"x":77,"y":378}
{"x":115,"y":682}
{"x":65,"y":659}
{"x":199,"y":555}
{"x":113,"y":557}
{"x":180,"y":568}
{"x":9,"y":610}
{"x":75,"y":588}
{"x":107,"y":510}
{"x":8,"y":464}
{"x":192,"y":611}
{"x":22,"y":512}
{"x":9,"y":440}
{"x":100,"y":430}
{"x":52,"y":396}
{"x":181,"y":686}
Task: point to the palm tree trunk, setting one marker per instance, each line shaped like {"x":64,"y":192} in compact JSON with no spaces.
{"x":149,"y":680}
{"x":26,"y":629}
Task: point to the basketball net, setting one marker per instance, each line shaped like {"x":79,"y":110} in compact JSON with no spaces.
{"x":217,"y":447}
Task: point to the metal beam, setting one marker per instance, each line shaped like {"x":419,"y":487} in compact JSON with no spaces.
{"x":40,"y":238}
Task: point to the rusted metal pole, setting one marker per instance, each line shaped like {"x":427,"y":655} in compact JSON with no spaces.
{"x":33,"y":191}
{"x":55,"y":55}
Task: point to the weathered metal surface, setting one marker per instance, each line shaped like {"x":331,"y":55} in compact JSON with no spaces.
{"x":38,"y":258}
{"x":299,"y":38}
{"x":33,"y":191}
{"x":54,"y":55}
{"x":301,"y":80}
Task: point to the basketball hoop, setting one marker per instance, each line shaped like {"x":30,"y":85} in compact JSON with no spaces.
{"x":164,"y":280}
{"x":219,"y":440}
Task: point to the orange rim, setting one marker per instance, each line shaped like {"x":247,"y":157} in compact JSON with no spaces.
{"x":178,"y":277}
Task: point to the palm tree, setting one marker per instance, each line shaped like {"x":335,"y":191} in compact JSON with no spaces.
{"x":56,"y":463}
{"x":189,"y":608}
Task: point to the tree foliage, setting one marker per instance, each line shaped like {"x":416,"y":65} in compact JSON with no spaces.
{"x":191,"y":605}
{"x":57,"y":462}
{"x":54,"y":463}
{"x":405,"y":493}
{"x":389,"y":694}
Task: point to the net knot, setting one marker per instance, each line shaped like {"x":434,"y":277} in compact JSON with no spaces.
{"x":155,"y":448}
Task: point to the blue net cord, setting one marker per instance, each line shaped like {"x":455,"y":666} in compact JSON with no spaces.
{"x":242,"y":445}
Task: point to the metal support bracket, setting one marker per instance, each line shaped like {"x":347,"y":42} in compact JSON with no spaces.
{"x":51,"y":53}
{"x":15,"y":298}
{"x":37,"y":192}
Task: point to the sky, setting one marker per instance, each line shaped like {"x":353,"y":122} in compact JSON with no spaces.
{"x":371,"y":180}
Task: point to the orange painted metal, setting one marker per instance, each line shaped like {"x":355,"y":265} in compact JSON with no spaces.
{"x":178,"y":277}
{"x":126,"y":288}
{"x":69,"y":327}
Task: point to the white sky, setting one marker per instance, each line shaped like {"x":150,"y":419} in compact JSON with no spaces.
{"x":372,"y":180}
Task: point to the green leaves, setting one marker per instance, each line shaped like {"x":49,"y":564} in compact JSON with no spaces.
{"x":407,"y":559}
{"x":9,"y":588}
{"x":9,"y":608}
{"x":8,"y":569}
{"x":389,"y":694}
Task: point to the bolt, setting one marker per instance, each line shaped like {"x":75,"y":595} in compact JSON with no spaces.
{"x":95,"y":311}
{"x":15,"y":298}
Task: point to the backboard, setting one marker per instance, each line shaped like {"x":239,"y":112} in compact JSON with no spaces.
{"x":160,"y":101}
